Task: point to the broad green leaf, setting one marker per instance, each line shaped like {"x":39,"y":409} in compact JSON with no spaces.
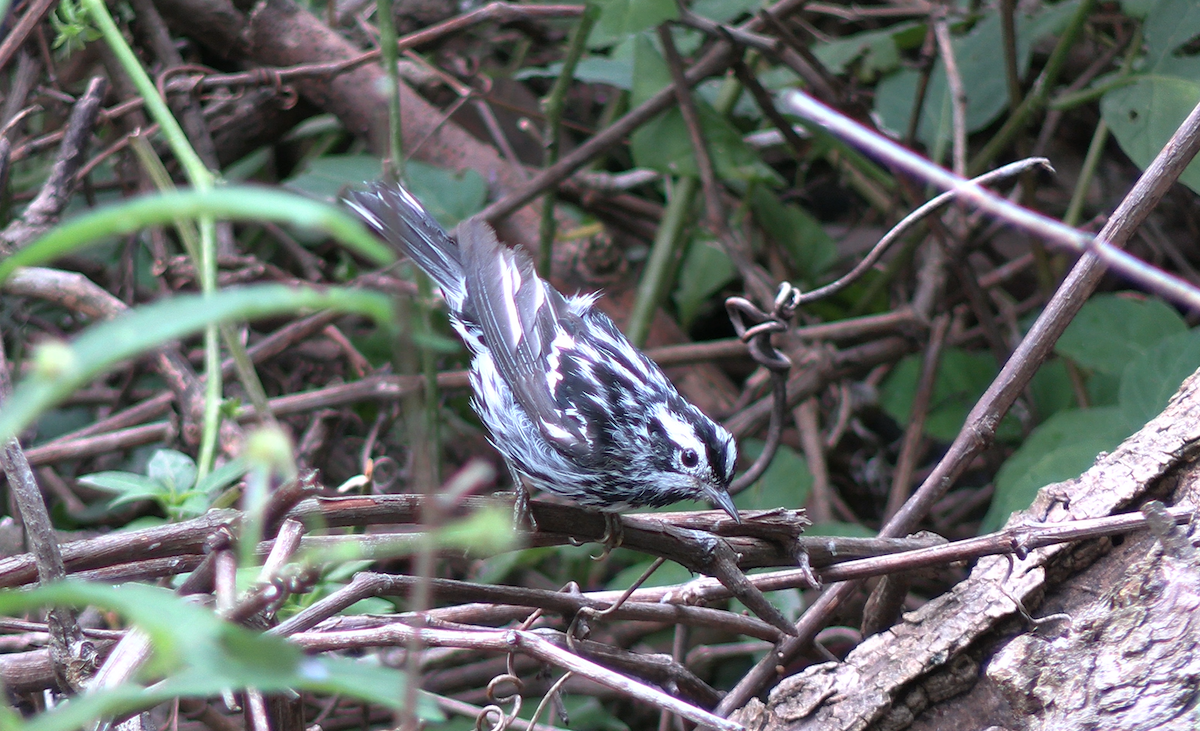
{"x":588,"y":713}
{"x":1169,"y":26}
{"x":1153,"y":377}
{"x":201,"y":655}
{"x":328,"y":177}
{"x":61,"y":368}
{"x":449,"y":197}
{"x":592,"y":70}
{"x":961,"y":379}
{"x":174,"y":470}
{"x":705,"y":271}
{"x":235,"y":203}
{"x":977,"y":53}
{"x":1111,"y":330}
{"x":1144,"y":115}
{"x":723,"y":11}
{"x":878,"y":49}
{"x":650,"y":72}
{"x":785,"y":484}
{"x":620,"y":19}
{"x":800,"y":234}
{"x":666,"y":575}
{"x":126,"y":485}
{"x":223,"y":476}
{"x":663,"y":143}
{"x":1051,"y":389}
{"x":1138,"y":8}
{"x":1062,"y":448}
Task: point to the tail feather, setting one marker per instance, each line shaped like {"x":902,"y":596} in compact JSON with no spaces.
{"x":399,"y":218}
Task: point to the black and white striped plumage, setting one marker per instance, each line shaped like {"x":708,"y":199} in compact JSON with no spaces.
{"x":572,"y":405}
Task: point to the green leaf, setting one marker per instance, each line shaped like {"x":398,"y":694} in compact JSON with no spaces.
{"x":610,"y":70}
{"x":1111,"y":330}
{"x":235,"y":203}
{"x":64,"y":368}
{"x":448,"y":196}
{"x":126,"y":485}
{"x":961,"y":379}
{"x":650,"y":72}
{"x":1061,"y":448}
{"x":328,"y":177}
{"x":663,"y":143}
{"x":620,"y":19}
{"x":1154,"y":376}
{"x":723,"y":11}
{"x":201,"y":655}
{"x":1143,"y":116}
{"x":1169,"y":26}
{"x":706,"y":269}
{"x":976,"y":52}
{"x":666,"y":575}
{"x":175,"y":470}
{"x":588,"y":713}
{"x":223,"y":476}
{"x":785,"y":484}
{"x":800,"y":234}
{"x":1051,"y":389}
{"x":878,"y":49}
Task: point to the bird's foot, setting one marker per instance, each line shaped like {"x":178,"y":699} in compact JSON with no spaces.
{"x":614,"y":534}
{"x":522,"y":513}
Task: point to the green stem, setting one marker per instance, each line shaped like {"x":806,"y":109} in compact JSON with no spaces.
{"x":1070,"y":100}
{"x":1037,"y":97}
{"x":553,"y":105}
{"x":187,"y":234}
{"x":656,"y":277}
{"x":201,"y":178}
{"x":389,"y":55}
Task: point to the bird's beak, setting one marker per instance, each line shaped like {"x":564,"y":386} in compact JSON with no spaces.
{"x":723,"y":500}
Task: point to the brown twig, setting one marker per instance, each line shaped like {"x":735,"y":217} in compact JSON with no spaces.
{"x":914,"y":432}
{"x":73,"y":657}
{"x":41,"y":213}
{"x":755,"y":279}
{"x":509,"y":641}
{"x":1014,"y":377}
{"x":716,"y":60}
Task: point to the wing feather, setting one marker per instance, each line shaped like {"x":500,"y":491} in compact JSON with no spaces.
{"x":526,"y":325}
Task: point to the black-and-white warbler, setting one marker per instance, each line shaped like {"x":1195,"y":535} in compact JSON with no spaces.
{"x":572,"y":405}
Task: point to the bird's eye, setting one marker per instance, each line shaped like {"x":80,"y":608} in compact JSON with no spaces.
{"x":689,"y":458}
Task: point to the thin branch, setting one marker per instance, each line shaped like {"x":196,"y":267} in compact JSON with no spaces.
{"x":509,"y":641}
{"x":73,"y":657}
{"x":1014,"y":377}
{"x":914,"y":432}
{"x":1170,"y":163}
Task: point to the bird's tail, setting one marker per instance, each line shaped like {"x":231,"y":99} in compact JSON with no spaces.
{"x":400,"y":219}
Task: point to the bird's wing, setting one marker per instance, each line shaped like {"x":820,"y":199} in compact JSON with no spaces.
{"x":529,"y":330}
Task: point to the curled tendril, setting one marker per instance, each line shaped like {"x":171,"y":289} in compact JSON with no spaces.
{"x":755,"y":327}
{"x":492,"y":717}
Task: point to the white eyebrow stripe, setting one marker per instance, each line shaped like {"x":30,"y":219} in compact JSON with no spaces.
{"x":678,"y":431}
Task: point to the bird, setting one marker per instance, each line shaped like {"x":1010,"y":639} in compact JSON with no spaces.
{"x":573,"y":406}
